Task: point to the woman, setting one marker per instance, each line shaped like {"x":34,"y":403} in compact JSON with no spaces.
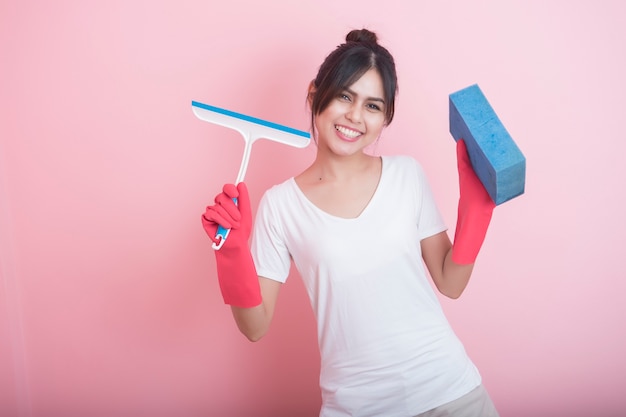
{"x":360,"y":228}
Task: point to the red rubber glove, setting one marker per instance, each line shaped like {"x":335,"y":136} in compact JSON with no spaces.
{"x":474,"y":213}
{"x":236,"y":272}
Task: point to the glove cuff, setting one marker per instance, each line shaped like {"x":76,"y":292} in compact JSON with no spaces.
{"x":237,"y":276}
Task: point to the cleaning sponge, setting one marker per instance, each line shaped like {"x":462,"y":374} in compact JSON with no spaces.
{"x":496,"y":159}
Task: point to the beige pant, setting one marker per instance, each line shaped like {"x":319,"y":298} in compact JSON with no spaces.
{"x":474,"y":404}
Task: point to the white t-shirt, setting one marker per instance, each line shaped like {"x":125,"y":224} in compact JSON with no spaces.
{"x":386,"y":347}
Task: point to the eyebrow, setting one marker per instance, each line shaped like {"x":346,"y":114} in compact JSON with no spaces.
{"x":369,"y":98}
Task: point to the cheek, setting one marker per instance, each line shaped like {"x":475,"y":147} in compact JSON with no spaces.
{"x":327,"y":117}
{"x":376,"y":122}
{"x":323,"y":125}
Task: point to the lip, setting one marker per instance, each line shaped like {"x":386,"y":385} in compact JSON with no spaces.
{"x":340,"y":131}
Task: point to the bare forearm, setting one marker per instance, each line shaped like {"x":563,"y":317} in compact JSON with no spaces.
{"x":449,"y":277}
{"x":255,"y":322}
{"x":454,"y":278}
{"x":252,"y":322}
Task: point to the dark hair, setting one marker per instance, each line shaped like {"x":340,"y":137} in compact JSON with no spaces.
{"x":347,"y":63}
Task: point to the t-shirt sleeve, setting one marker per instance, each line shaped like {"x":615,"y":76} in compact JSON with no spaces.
{"x":269,"y":251}
{"x":429,"y":219}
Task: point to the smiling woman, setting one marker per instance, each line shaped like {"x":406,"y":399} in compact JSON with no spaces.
{"x":359,"y":229}
{"x":109,"y":302}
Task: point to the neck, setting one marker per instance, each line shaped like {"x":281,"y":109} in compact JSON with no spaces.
{"x":342,"y":168}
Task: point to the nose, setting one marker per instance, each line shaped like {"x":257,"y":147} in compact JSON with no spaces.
{"x":354,"y":113}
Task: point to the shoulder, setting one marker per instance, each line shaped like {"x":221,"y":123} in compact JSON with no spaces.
{"x":400,"y":160}
{"x":279,"y":190}
{"x":403,"y":164}
{"x":278,"y":195}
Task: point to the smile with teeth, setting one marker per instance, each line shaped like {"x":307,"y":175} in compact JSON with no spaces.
{"x":349,"y":133}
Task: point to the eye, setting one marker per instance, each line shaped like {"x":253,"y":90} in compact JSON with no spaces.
{"x":374,"y":106}
{"x":345,"y":97}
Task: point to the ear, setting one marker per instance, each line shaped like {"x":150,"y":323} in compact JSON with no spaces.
{"x":311,"y":93}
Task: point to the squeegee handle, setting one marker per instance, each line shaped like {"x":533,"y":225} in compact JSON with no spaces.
{"x":249,"y":138}
{"x":221,"y":234}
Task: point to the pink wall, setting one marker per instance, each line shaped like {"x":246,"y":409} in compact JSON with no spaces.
{"x":108,"y":298}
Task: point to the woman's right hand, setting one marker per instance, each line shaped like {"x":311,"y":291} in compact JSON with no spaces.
{"x":236,"y":272}
{"x":228,"y":214}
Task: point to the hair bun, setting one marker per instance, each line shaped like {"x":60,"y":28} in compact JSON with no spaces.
{"x":361,"y":35}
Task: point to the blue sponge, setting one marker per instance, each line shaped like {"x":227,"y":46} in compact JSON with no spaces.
{"x":496,"y":159}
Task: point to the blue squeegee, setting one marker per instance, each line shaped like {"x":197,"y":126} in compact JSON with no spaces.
{"x":251,"y":129}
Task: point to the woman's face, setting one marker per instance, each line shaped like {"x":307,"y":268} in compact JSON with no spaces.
{"x":355,"y":118}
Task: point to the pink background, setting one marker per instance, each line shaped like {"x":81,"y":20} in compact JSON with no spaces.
{"x":109,"y":304}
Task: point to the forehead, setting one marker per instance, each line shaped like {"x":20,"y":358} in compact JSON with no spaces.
{"x":369,"y":84}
